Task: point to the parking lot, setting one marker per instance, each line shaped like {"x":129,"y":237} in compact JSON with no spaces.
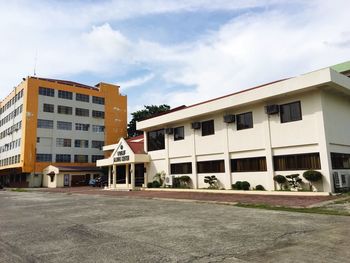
{"x":57,"y":227}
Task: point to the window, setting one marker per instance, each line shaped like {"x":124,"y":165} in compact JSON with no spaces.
{"x":155,"y":140}
{"x":256,"y":164}
{"x":208,"y":128}
{"x":45,"y":124}
{"x":82,"y":97}
{"x":217,"y":166}
{"x":297,"y":162}
{"x":290,"y":112}
{"x":46,"y":92}
{"x":179,"y":133}
{"x":82,"y":112}
{"x":65,"y":94}
{"x":94,"y":158}
{"x":81,"y":143}
{"x":98,"y":128}
{"x":79,"y":158}
{"x":63,"y":125}
{"x":181,"y":168}
{"x":48,"y":108}
{"x":98,"y":114}
{"x":98,"y":100}
{"x":340,"y":160}
{"x":64,"y":110}
{"x":43,"y":157}
{"x":97,"y":144}
{"x":82,"y":127}
{"x":63,"y":158}
{"x":244,"y":120}
{"x":62,"y":142}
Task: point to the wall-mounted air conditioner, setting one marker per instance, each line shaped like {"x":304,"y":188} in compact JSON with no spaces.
{"x":341,"y":179}
{"x":169,"y":130}
{"x":229,"y":118}
{"x":196,"y":125}
{"x":272,"y":109}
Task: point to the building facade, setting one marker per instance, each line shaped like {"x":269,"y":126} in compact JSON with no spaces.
{"x":59,"y":123}
{"x":284,"y":127}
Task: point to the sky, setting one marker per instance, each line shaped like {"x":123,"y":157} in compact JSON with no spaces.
{"x":170,"y":52}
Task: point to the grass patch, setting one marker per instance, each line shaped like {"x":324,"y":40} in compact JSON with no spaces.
{"x":19,"y":190}
{"x":312,"y":210}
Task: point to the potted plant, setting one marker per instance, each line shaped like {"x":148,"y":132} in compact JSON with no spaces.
{"x":280,"y":179}
{"x":294,"y":182}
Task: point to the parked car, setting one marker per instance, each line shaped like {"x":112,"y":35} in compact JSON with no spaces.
{"x":101,"y":181}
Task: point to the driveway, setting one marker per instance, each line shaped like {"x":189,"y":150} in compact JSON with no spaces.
{"x":55,"y":227}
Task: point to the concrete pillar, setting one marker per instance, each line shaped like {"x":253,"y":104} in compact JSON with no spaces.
{"x":194,"y":159}
{"x":109,"y":176}
{"x":127,"y":175}
{"x":270,"y":184}
{"x":132,"y":176}
{"x":114,"y":176}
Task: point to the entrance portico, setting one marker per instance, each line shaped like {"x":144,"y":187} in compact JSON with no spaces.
{"x":125,"y":165}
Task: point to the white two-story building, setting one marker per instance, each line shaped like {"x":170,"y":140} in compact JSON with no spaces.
{"x":285,"y":127}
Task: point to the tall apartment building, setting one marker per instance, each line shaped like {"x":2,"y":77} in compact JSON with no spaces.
{"x":55,"y":122}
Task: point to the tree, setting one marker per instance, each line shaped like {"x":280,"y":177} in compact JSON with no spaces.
{"x":147,"y":112}
{"x":312,"y":176}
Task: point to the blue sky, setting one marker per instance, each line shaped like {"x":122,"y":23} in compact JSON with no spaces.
{"x":173,"y":52}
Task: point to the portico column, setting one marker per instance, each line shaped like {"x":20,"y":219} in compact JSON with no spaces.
{"x":127,"y":175}
{"x":109,"y":176}
{"x":132,"y":176}
{"x":114,"y":176}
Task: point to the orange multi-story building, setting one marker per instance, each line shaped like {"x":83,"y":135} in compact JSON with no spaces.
{"x":61,"y":123}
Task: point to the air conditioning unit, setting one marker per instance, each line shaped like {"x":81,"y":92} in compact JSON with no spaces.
{"x":341,"y":180}
{"x":196,"y":125}
{"x":169,"y":130}
{"x":229,"y":118}
{"x":168,"y":180}
{"x":272,"y":109}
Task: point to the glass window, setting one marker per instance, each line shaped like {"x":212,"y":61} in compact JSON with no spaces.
{"x":97,"y":144}
{"x":181,"y":168}
{"x":179,"y":133}
{"x":45,"y":124}
{"x":98,"y":114}
{"x":297,"y":162}
{"x":62,"y":142}
{"x":340,"y":160}
{"x":82,"y":112}
{"x":65,"y":95}
{"x":98,"y":128}
{"x":155,"y":140}
{"x":244,"y":120}
{"x":98,"y":100}
{"x":48,"y":108}
{"x":208,"y":128}
{"x":64,"y":110}
{"x":82,"y":97}
{"x":256,"y":164}
{"x":43,"y":157}
{"x":45,"y":92}
{"x":63,"y":125}
{"x":217,"y":166}
{"x":79,"y":158}
{"x":82,"y":127}
{"x":290,"y":112}
{"x":94,"y":158}
{"x":63,"y":158}
{"x":81,"y":143}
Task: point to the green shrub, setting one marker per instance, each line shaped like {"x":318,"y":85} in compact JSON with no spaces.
{"x":155,"y":184}
{"x":245,"y":185}
{"x":149,"y":185}
{"x":237,"y":185}
{"x":280,"y":179}
{"x":312,"y":176}
{"x":259,"y":187}
{"x":212,"y":181}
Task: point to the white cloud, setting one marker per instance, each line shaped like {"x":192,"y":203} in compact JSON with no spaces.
{"x":135,"y":82}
